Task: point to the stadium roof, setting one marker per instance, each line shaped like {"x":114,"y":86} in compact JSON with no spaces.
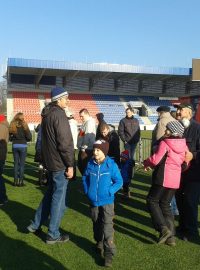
{"x":100,"y":70}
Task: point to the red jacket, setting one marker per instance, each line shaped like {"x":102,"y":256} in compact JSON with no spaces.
{"x":167,"y":161}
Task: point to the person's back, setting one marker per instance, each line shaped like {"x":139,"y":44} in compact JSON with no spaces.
{"x":57,"y":150}
{"x":19,"y":135}
{"x":168,"y":160}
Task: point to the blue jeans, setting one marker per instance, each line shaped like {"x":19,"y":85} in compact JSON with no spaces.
{"x":53,"y":204}
{"x":3,"y":196}
{"x":19,"y":154}
{"x":131,"y":148}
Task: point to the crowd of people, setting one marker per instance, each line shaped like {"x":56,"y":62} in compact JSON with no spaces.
{"x":175,"y":160}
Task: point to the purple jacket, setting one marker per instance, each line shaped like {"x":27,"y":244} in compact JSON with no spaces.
{"x":167,"y":161}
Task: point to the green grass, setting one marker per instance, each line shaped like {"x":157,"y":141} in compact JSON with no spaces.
{"x":134,"y":235}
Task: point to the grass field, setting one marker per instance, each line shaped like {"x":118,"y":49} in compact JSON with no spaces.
{"x":134,"y":235}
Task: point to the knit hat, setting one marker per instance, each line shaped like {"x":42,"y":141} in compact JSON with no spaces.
{"x":102,"y":145}
{"x":176,"y":128}
{"x":57,"y":93}
{"x":163,"y":109}
{"x":2,"y":118}
{"x":125,"y":154}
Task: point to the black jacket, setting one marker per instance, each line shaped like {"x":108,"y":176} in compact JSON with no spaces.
{"x":57,"y":143}
{"x":21,"y":137}
{"x":129,"y":130}
{"x":114,"y":146}
{"x":98,"y":132}
{"x":192,"y":136}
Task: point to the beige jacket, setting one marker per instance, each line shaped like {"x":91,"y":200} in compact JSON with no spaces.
{"x":4,"y":137}
{"x":160,"y":128}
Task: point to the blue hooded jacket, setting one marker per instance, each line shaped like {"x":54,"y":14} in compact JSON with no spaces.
{"x":126,"y":170}
{"x":102,"y":181}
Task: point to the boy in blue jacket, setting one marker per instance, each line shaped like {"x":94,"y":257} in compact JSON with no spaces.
{"x":101,"y":180}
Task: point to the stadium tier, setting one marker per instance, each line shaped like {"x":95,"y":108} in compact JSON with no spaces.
{"x":98,"y":87}
{"x":28,"y":103}
{"x":112,"y":106}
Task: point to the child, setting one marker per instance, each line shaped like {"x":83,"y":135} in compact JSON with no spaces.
{"x":166,"y":161}
{"x":101,"y":180}
{"x":126,"y":166}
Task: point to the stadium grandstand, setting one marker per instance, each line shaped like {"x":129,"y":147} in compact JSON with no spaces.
{"x":99,"y":87}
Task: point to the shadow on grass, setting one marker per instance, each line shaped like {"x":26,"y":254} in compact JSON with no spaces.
{"x":134,"y":232}
{"x":20,"y":214}
{"x":143,"y":181}
{"x":16,"y":254}
{"x":87,"y":246}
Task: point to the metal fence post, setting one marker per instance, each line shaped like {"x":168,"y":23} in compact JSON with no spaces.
{"x":140,"y":151}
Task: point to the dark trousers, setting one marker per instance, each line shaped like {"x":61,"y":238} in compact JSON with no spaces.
{"x":102,"y":218}
{"x":83,"y":158}
{"x":158,"y":202}
{"x":187,"y":199}
{"x":3,"y":196}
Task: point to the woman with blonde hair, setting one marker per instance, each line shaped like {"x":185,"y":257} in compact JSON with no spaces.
{"x":19,"y":135}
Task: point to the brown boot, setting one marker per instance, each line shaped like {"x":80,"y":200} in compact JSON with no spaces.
{"x":171,"y":241}
{"x":165,"y":234}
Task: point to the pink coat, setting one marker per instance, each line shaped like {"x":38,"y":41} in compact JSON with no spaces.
{"x":167,"y":161}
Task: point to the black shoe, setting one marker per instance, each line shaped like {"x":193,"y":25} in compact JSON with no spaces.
{"x":2,"y":203}
{"x":190,"y":237}
{"x":61,"y":239}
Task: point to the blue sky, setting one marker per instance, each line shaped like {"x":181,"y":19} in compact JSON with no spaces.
{"x":144,"y":32}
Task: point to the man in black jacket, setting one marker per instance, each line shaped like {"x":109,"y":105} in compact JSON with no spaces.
{"x":129,"y":132}
{"x":187,"y":197}
{"x":58,"y":159}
